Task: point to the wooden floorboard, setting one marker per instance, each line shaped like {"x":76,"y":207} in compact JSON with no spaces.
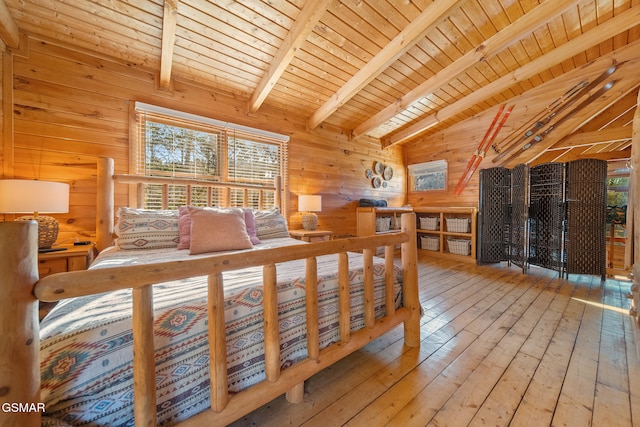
{"x":499,"y":348}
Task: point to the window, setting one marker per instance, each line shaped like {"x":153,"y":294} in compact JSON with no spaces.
{"x":617,"y":201}
{"x":173,"y":144}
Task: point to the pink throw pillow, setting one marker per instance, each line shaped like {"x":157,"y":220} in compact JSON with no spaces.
{"x":218,"y":230}
{"x":250,"y":221}
{"x":184,"y":227}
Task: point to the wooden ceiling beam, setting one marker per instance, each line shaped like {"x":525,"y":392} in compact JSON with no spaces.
{"x":431,"y":16}
{"x":303,"y":26}
{"x":491,"y":47}
{"x":169,"y":22}
{"x":548,"y":156}
{"x":620,"y":114}
{"x":567,"y":156}
{"x":595,"y":137}
{"x":9,"y":32}
{"x":609,"y":155}
{"x":613,"y":146}
{"x":582,"y":153}
{"x":603,"y":32}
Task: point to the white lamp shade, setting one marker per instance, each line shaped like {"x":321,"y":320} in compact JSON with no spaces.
{"x":309,"y":203}
{"x":29,"y":196}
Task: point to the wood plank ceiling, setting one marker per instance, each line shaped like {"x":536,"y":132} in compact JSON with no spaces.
{"x":398,"y":71}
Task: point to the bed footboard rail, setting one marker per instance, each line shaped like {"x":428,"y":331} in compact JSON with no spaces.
{"x":225,"y":408}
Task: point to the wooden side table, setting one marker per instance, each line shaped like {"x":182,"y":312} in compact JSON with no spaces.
{"x":311,"y":236}
{"x":72,"y":259}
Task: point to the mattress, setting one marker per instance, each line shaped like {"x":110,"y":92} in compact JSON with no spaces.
{"x":86,"y":343}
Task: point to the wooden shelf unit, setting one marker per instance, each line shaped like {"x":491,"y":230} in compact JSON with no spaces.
{"x":443,"y":234}
{"x":366,"y":219}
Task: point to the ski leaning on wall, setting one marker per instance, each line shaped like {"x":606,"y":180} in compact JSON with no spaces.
{"x":558,"y":106}
{"x":480,"y":152}
{"x":539,"y":137}
{"x":538,"y":120}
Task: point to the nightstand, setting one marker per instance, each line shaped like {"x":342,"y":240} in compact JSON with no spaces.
{"x":311,"y":236}
{"x":72,"y":259}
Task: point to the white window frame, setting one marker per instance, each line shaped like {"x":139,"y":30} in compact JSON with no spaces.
{"x":228,"y":131}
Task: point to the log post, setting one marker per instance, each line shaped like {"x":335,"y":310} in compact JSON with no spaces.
{"x":633,"y":214}
{"x":389,"y":280}
{"x":19,"y":325}
{"x":144,"y":366}
{"x":277,"y":196}
{"x":369,"y":303}
{"x":217,"y":344}
{"x":311,"y":299}
{"x":344,"y":297}
{"x":105,"y":204}
{"x":271,"y":324}
{"x":410,"y":293}
{"x":296,"y":393}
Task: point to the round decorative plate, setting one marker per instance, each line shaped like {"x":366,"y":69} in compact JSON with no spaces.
{"x":384,"y":184}
{"x":378,"y":167}
{"x":377,"y":182}
{"x":369,"y":173}
{"x":388,"y":173}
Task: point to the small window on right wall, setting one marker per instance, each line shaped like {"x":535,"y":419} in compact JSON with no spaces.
{"x":428,"y":176}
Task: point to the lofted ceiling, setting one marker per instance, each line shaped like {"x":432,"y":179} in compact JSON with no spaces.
{"x":396,"y":70}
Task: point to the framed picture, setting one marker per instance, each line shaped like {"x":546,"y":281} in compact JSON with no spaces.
{"x":428,"y":176}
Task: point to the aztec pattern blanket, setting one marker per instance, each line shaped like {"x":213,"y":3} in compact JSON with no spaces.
{"x":87,"y":352}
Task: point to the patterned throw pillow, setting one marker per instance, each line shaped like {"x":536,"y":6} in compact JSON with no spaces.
{"x":147,"y":229}
{"x":271,"y":224}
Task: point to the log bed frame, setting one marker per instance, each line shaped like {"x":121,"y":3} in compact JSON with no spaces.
{"x":20,"y":291}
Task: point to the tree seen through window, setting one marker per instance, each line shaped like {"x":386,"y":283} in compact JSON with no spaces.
{"x":185,"y":148}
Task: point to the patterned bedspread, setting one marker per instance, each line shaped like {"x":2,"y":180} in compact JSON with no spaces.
{"x":86,"y":343}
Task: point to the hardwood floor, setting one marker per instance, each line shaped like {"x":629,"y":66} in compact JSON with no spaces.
{"x":498,"y":348}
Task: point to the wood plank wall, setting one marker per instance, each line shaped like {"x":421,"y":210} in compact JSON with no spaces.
{"x":457,"y":143}
{"x":71,"y":107}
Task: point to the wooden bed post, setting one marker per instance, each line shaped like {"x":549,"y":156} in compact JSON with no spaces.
{"x":104,"y":204}
{"x":277,"y":197}
{"x":19,"y":326}
{"x":410,"y":293}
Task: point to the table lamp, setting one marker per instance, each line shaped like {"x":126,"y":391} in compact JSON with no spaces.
{"x":308,"y":205}
{"x":18,"y":196}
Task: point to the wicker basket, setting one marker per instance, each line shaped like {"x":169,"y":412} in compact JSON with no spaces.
{"x":459,"y":246}
{"x":430,"y":243}
{"x":429,"y":223}
{"x":383,"y":223}
{"x":458,"y":225}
